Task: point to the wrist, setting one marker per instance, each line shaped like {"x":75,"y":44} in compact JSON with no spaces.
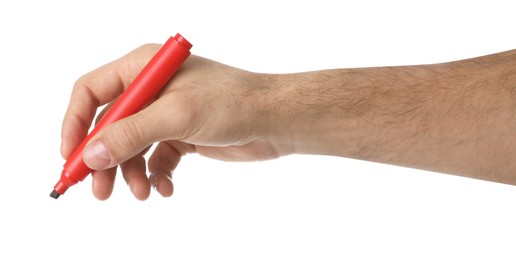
{"x":269,"y":111}
{"x":297,"y":112}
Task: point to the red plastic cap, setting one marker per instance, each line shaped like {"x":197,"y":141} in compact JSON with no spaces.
{"x":181,"y":40}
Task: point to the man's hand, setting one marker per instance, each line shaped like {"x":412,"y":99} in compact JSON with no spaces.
{"x":208,"y":108}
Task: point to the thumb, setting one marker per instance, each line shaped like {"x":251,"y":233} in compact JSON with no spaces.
{"x":121,"y":141}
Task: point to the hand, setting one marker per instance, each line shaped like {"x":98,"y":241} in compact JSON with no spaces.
{"x":207,"y":107}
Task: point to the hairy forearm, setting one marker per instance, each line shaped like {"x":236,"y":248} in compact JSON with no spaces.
{"x":453,"y":117}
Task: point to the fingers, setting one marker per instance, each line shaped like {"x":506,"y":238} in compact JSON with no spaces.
{"x":96,"y":89}
{"x":134,"y":173}
{"x":102,"y":183}
{"x":162,"y":162}
{"x":90,"y":91}
{"x":135,"y":176}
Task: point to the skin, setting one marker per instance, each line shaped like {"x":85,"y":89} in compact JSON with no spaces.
{"x":454,"y":118}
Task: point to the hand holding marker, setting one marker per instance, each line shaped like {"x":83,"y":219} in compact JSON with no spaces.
{"x":144,"y":88}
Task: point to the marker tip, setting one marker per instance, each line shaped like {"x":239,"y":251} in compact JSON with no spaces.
{"x":54,"y":194}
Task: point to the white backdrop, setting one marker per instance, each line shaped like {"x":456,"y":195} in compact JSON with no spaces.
{"x":296,"y":207}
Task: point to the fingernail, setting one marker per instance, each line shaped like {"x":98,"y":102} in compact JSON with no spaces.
{"x":96,"y":156}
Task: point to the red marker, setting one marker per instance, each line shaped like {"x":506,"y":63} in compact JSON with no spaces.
{"x":144,"y":88}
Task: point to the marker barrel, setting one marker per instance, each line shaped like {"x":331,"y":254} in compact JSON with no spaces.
{"x":140,"y":92}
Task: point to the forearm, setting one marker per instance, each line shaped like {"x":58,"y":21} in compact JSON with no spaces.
{"x":454,"y":117}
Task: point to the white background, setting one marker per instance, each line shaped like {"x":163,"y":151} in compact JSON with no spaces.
{"x":296,"y":207}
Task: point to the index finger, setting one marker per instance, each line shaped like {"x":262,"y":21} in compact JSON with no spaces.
{"x":96,"y":89}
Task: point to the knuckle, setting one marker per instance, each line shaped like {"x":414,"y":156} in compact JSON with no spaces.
{"x":145,"y":50}
{"x":146,"y":46}
{"x":129,"y":136}
{"x":83,"y":81}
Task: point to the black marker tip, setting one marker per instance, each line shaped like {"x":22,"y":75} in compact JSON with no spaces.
{"x":54,"y":194}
